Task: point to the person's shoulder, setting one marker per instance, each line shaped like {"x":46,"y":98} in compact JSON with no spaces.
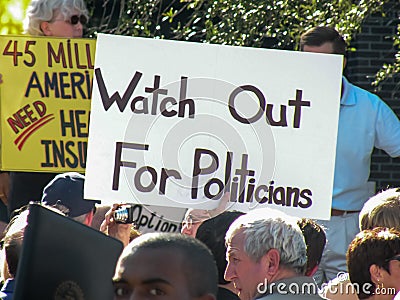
{"x":365,"y":99}
{"x":339,"y":288}
{"x":363,"y":94}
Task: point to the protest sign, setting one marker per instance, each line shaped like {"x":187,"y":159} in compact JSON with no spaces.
{"x":150,"y":218}
{"x":178,"y":124}
{"x":45,"y":102}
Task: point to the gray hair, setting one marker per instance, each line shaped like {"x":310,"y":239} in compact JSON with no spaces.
{"x":266,"y":229}
{"x":43,"y":11}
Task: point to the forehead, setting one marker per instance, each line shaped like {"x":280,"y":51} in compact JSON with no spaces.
{"x":236,"y":243}
{"x":147,"y":264}
{"x":197,"y":214}
{"x":324,"y":48}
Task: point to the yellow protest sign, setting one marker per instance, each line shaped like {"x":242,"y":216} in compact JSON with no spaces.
{"x":45,"y":102}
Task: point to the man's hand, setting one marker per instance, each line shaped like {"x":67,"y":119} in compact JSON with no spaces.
{"x":113,"y":229}
{"x":221,"y":206}
{"x":4,"y":187}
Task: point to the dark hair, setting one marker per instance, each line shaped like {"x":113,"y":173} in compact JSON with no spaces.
{"x":318,"y":36}
{"x":13,"y":248}
{"x":199,"y":265}
{"x":212,"y":233}
{"x":315,"y":238}
{"x":13,"y":237}
{"x":371,"y":247}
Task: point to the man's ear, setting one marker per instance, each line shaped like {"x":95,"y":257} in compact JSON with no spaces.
{"x":270,"y":261}
{"x":45,"y":27}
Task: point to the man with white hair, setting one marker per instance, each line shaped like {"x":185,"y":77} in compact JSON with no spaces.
{"x":266,"y":255}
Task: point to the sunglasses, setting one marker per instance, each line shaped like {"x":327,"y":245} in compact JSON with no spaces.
{"x":75,"y":19}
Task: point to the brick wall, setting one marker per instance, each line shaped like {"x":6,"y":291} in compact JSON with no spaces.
{"x":374,"y":46}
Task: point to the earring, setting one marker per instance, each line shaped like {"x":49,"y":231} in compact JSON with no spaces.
{"x":380,"y":285}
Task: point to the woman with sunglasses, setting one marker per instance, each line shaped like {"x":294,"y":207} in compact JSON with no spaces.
{"x":373,"y":260}
{"x":60,"y":18}
{"x":57,"y":18}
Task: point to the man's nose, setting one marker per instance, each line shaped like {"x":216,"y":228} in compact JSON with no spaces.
{"x":229,"y":273}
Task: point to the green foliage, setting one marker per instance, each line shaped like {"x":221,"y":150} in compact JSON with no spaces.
{"x":145,"y":18}
{"x":388,"y":70}
{"x":255,"y":23}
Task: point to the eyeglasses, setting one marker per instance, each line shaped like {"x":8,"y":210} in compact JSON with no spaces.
{"x":190,"y":221}
{"x":73,"y":20}
{"x":396,"y":257}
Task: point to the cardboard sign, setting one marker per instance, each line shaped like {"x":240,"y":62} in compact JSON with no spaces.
{"x":149,"y":218}
{"x":179,"y":124}
{"x":45,"y":102}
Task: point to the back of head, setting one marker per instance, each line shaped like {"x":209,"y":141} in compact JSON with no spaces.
{"x":371,"y":247}
{"x":199,"y":265}
{"x":317,"y":36}
{"x":14,"y":234}
{"x":381,"y":210}
{"x":66,"y":190}
{"x":212,"y":233}
{"x":315,"y":239}
{"x":266,"y":229}
{"x":43,"y":10}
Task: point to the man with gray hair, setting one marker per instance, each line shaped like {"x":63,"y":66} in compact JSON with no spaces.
{"x":266,"y":255}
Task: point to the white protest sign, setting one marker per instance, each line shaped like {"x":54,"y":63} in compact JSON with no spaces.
{"x":177,"y":124}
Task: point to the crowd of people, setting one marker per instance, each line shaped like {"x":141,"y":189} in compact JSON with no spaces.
{"x":220,"y":254}
{"x":262,"y":254}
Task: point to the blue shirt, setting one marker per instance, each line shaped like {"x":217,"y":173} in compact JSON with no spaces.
{"x":365,"y":122}
{"x":7,"y":291}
